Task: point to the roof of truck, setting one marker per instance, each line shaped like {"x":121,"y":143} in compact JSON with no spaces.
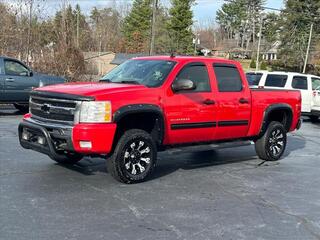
{"x":9,"y":58}
{"x":187,"y":58}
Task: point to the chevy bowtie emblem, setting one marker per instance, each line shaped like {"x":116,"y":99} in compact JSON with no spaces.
{"x":45,"y":108}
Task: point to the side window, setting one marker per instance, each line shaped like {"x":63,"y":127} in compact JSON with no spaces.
{"x":253,"y":78}
{"x":315,"y":83}
{"x":274,"y":80}
{"x":15,"y":68}
{"x":228,"y":78}
{"x":197,"y":73}
{"x":299,"y":82}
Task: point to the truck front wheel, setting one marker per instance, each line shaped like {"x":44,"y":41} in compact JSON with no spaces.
{"x":272,"y":144}
{"x":134,"y":157}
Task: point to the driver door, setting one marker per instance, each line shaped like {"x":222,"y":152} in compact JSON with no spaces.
{"x":191,"y":114}
{"x":18,"y":81}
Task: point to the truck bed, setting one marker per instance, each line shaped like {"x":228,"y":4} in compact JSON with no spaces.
{"x":262,"y":98}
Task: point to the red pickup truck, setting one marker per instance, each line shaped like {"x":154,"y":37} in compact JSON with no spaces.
{"x":149,"y":104}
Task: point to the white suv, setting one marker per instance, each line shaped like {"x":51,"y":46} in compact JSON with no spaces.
{"x":309,"y":85}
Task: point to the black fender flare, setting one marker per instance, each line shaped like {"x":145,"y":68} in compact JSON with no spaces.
{"x":279,"y":106}
{"x":143,"y":108}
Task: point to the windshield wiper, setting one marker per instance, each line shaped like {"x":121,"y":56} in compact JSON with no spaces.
{"x":105,"y":80}
{"x":127,"y":81}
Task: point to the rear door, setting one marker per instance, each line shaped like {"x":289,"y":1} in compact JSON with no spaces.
{"x":191,"y":114}
{"x":17,"y":81}
{"x":234,"y":102}
{"x":301,"y":83}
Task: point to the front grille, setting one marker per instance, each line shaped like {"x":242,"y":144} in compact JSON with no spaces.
{"x":54,"y":110}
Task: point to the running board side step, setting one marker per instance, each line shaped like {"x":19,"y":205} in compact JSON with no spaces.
{"x":203,"y":147}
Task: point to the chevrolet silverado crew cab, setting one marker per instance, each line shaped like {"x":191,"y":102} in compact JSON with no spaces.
{"x":17,"y":80}
{"x":150,"y":104}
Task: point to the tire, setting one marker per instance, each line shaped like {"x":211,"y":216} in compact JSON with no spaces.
{"x":314,"y":118}
{"x":21,"y":107}
{"x":134,"y":157}
{"x":69,"y":159}
{"x":272,"y":144}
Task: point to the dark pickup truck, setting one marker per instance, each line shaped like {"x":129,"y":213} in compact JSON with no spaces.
{"x":17,"y":80}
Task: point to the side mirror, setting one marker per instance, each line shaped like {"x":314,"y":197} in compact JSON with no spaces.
{"x":30,"y":73}
{"x":183,"y":84}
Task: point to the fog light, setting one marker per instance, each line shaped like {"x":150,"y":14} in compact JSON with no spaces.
{"x":41,"y":140}
{"x":85,"y":144}
{"x":25,"y":136}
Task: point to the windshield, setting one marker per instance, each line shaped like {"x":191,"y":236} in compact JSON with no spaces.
{"x":151,"y":73}
{"x":253,"y":78}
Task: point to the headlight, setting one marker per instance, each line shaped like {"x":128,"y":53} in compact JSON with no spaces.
{"x":95,"y":112}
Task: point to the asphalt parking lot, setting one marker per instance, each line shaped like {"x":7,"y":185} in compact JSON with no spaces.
{"x":211,"y":194}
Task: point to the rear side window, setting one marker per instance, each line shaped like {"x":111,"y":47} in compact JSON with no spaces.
{"x":274,"y":80}
{"x":228,"y":78}
{"x":299,"y":82}
{"x":253,"y":78}
{"x":315,"y":83}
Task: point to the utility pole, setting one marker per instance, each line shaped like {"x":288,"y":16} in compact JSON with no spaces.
{"x":64,"y":23}
{"x":259,"y":43}
{"x":308,"y":49}
{"x":29,"y":31}
{"x":196,"y":41}
{"x":153,"y":26}
{"x":100,"y":49}
{"x":78,"y":13}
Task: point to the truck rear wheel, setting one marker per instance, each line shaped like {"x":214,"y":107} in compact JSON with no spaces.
{"x":134,"y":157}
{"x":272,"y":144}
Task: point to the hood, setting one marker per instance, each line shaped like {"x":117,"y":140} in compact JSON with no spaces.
{"x":91,"y":89}
{"x":48,"y":79}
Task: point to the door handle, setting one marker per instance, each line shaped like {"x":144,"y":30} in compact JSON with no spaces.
{"x":243,"y":100}
{"x":9,"y":79}
{"x":209,"y":102}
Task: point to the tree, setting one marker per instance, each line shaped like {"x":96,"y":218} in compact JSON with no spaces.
{"x":106,"y":27}
{"x":137,"y":26}
{"x":179,"y":25}
{"x":296,"y":20}
{"x":264,"y":65}
{"x":232,"y":16}
{"x":253,"y":64}
{"x":239,"y":20}
{"x":162,"y":40}
{"x":271,"y":29}
{"x":8,"y":30}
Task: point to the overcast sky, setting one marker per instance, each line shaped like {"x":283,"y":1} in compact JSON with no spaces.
{"x":204,"y":10}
